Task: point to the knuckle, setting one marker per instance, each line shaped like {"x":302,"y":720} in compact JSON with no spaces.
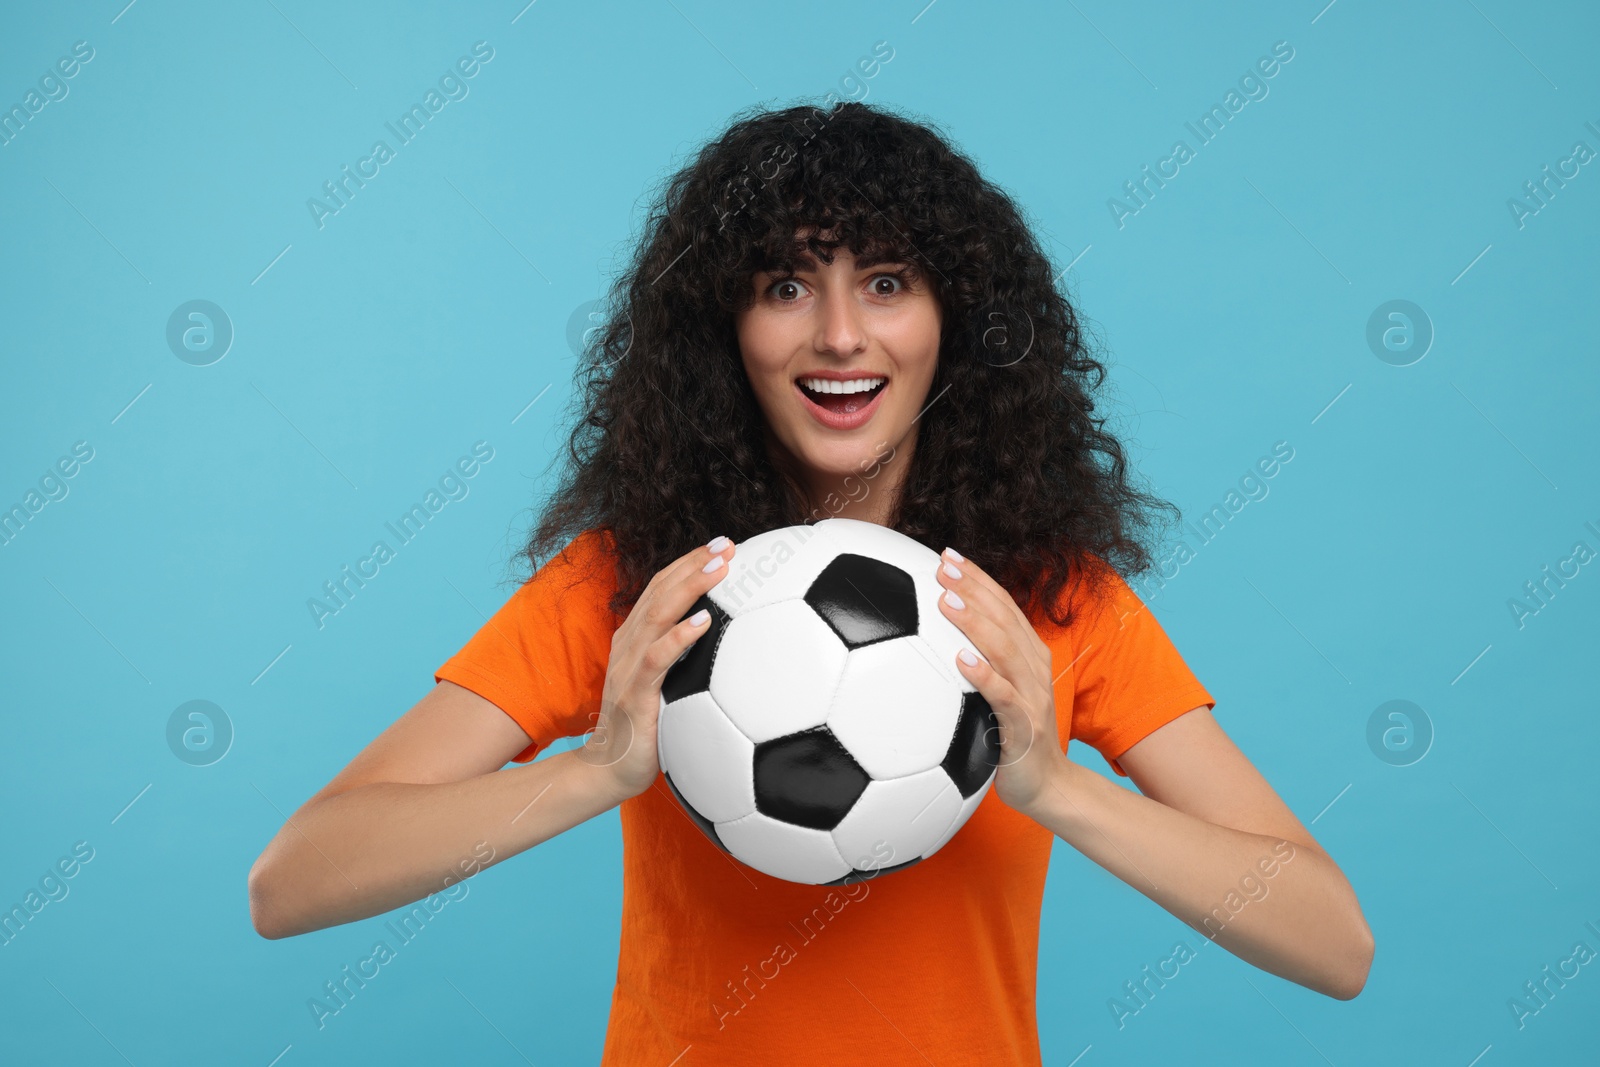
{"x":656,"y":658}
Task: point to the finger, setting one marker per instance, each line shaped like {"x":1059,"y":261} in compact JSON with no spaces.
{"x":982,"y":577}
{"x":991,"y":630}
{"x":674,"y":571}
{"x":681,"y":583}
{"x":984,"y":596}
{"x":1011,"y":713}
{"x":666,"y":649}
{"x":972,"y":581}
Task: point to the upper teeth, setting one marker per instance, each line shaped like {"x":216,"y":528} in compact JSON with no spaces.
{"x":828,"y":385}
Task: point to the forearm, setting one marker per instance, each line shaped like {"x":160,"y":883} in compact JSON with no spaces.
{"x":378,"y":846}
{"x":1301,"y":921}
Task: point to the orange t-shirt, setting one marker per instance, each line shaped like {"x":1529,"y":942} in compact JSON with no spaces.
{"x":722,"y":964}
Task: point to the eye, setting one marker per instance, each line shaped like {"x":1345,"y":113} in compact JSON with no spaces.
{"x":784,"y":286}
{"x":879,"y":280}
{"x":883,"y":284}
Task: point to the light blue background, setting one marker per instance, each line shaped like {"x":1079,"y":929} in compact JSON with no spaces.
{"x":429,"y":312}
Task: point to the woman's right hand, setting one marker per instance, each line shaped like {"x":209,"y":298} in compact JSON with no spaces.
{"x":622,"y":744}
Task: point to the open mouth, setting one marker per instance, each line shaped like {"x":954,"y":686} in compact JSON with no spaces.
{"x":842,"y":398}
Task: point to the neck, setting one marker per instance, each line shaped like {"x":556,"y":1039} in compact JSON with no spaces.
{"x":870,"y":493}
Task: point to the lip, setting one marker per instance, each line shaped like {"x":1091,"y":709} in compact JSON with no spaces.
{"x":838,"y":420}
{"x":841,"y":375}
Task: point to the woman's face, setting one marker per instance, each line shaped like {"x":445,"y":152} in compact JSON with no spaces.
{"x":870,"y":328}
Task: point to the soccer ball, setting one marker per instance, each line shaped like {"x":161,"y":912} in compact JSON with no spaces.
{"x":818,"y":730}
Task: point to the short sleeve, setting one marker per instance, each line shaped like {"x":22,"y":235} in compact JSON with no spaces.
{"x":542,"y":657}
{"x":1127,"y":678}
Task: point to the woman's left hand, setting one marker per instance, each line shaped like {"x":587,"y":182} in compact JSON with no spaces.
{"x":1016,"y":681}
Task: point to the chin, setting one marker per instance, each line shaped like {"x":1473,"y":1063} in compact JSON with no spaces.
{"x":842,"y":458}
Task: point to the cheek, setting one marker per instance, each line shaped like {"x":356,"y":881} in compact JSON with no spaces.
{"x":761,"y":350}
{"x":917,"y":351}
{"x":919,"y":340}
{"x":770,"y":385}
{"x":771,"y":390}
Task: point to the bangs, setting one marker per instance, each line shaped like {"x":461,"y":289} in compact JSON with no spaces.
{"x":791,"y":195}
{"x":808,"y":243}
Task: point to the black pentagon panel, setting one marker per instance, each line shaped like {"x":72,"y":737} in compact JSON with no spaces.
{"x":860,"y":875}
{"x":706,"y":825}
{"x":864,"y":600}
{"x":975,"y":749}
{"x":807,"y":779}
{"x":692,"y":673}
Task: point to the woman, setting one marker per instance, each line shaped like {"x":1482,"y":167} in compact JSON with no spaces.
{"x":802,"y":248}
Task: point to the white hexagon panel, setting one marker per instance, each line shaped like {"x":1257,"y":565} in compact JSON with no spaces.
{"x":783,"y":850}
{"x":907,"y":815}
{"x":968,"y":806}
{"x":776,"y":670}
{"x":895,"y":710}
{"x":709,"y":758}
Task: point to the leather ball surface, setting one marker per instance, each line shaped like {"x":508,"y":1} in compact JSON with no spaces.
{"x":818,"y":730}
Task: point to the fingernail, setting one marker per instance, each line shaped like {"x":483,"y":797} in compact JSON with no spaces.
{"x":958,"y":557}
{"x":953,"y":600}
{"x":713,"y":564}
{"x":699,"y":618}
{"x":968,"y":658}
{"x":718,"y":544}
{"x":952,"y":570}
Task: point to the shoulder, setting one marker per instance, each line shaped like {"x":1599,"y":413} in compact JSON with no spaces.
{"x":588,"y":554}
{"x":582,"y":572}
{"x":1093,"y":595}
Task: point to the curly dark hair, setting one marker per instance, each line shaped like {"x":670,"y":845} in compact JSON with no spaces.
{"x":1012,"y":466}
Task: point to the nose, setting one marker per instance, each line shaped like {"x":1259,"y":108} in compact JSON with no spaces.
{"x":839,"y":326}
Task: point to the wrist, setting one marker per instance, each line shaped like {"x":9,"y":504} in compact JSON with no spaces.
{"x":599,"y":776}
{"x":1056,"y":802}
